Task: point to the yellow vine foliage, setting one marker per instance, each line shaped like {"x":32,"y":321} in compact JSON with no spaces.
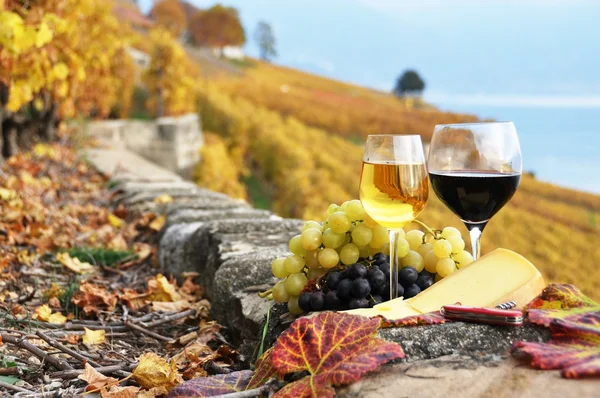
{"x":170,"y":79}
{"x":73,"y":51}
{"x":217,"y":171}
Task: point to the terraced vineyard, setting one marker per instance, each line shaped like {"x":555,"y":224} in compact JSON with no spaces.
{"x":285,"y":129}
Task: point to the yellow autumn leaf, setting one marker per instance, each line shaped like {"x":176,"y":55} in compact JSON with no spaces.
{"x":7,"y":194}
{"x":57,"y":318}
{"x":96,"y":379}
{"x":42,"y":313}
{"x":43,"y":36}
{"x":161,"y":290}
{"x":93,"y":337}
{"x":115,"y":221}
{"x":163,"y":199}
{"x":119,"y":392}
{"x":42,"y":150}
{"x":158,"y":223}
{"x":154,"y":372}
{"x":74,"y":264}
{"x":60,"y":71}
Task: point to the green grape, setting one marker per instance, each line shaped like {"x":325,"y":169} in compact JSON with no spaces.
{"x":355,"y":210}
{"x":278,"y":268}
{"x":430,"y":260}
{"x":344,"y":206}
{"x":415,"y":239}
{"x":445,"y":267}
{"x":316,"y":272}
{"x":380,"y":237}
{"x":364,"y":251}
{"x":442,"y":248}
{"x":450,"y":231}
{"x":457,"y":242}
{"x":339,"y":222}
{"x":295,"y":283}
{"x":279,"y":293}
{"x":332,"y":209}
{"x":296,"y":247}
{"x":312,"y":224}
{"x":413,"y":259}
{"x":362,"y":235}
{"x":294,"y":263}
{"x":369,"y":222}
{"x":333,"y":240}
{"x":311,"y":258}
{"x":402,"y":248}
{"x":424,"y":249}
{"x":293,"y":306}
{"x":312,"y":239}
{"x":328,"y":258}
{"x":463,"y":258}
{"x":349,"y":254}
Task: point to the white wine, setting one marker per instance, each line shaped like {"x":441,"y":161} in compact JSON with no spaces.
{"x":393,"y":194}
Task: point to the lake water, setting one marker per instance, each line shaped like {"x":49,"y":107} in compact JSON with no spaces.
{"x":561,"y":145}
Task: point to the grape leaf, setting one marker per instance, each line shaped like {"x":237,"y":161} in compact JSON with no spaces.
{"x":264,"y":370}
{"x":574,"y":323}
{"x":214,"y":385}
{"x":563,"y":302}
{"x":334,"y":348}
{"x":431,"y":318}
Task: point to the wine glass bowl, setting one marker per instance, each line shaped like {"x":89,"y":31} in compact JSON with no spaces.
{"x":394,"y":186}
{"x":475,"y":168}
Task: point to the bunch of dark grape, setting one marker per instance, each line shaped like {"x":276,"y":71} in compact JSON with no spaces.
{"x":363,"y":286}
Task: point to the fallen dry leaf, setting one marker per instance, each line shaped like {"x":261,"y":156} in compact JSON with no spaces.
{"x":95,"y":379}
{"x":74,"y":264}
{"x":154,"y":372}
{"x":175,"y":306}
{"x":54,"y":302}
{"x":93,"y":337}
{"x":163,"y":199}
{"x":158,"y":223}
{"x":119,"y":392}
{"x":160,"y":289}
{"x":152,"y":393}
{"x":94,"y":299}
{"x":42,"y":313}
{"x":57,"y":318}
{"x":72,"y":339}
{"x":115,"y":221}
{"x":189,"y":287}
{"x":133,"y":299}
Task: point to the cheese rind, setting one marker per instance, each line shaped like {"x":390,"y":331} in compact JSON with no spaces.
{"x":499,"y":276}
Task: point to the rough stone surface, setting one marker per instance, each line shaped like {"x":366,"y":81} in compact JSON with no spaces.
{"x":177,"y":195}
{"x":456,"y":376}
{"x":474,"y":340}
{"x":124,"y":165}
{"x":190,"y":203}
{"x":133,"y":187}
{"x":185,"y":215}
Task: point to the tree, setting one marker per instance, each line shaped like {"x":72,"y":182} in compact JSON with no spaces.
{"x":265,"y":38}
{"x":409,"y":83}
{"x":170,"y":14}
{"x":217,"y":27}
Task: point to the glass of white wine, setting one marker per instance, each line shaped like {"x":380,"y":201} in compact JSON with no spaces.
{"x":394,"y":187}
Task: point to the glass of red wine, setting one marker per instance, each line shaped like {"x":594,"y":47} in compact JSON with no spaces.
{"x":475,"y":168}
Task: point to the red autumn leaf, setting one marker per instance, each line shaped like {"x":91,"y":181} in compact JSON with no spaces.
{"x":561,"y":302}
{"x":214,"y":385}
{"x":264,"y":370}
{"x":431,"y":318}
{"x":335,"y":349}
{"x":574,"y":322}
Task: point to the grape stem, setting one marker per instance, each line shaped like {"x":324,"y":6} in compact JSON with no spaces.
{"x":265,"y":293}
{"x":426,"y":227}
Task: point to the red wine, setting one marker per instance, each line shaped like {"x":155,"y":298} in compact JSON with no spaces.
{"x":474,"y":196}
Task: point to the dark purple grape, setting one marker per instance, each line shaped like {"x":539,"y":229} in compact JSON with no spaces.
{"x":411,"y":291}
{"x":332,"y":301}
{"x":425,"y":272}
{"x":361,"y":288}
{"x":424,"y":281}
{"x":379,"y":258}
{"x":333,"y":279}
{"x":407,"y":276}
{"x":357,"y":271}
{"x":344,"y":289}
{"x":304,"y":302}
{"x":358,"y":303}
{"x":317,"y":301}
{"x":376,"y":278}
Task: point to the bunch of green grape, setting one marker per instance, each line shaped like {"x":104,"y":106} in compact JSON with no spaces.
{"x":347,"y":235}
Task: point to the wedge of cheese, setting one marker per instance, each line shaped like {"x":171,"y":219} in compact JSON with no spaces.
{"x":498,"y":277}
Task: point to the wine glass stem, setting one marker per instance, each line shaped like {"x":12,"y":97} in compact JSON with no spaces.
{"x":475,"y":234}
{"x":393,"y":263}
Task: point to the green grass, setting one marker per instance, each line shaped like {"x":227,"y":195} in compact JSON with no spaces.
{"x":99,"y":256}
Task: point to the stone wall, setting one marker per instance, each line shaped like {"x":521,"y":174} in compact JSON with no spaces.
{"x":171,"y":142}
